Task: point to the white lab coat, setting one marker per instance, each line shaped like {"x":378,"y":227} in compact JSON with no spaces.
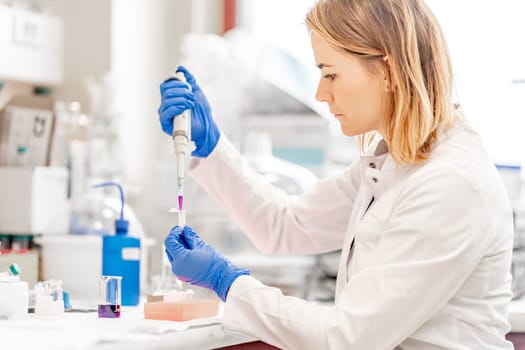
{"x":429,"y":267}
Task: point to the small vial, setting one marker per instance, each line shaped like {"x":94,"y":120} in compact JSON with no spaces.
{"x":181,"y":216}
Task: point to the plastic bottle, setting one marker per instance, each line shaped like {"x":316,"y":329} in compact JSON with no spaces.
{"x":14,"y":295}
{"x":121,"y":255}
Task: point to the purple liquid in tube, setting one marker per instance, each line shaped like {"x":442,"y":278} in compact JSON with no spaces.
{"x":180,"y":202}
{"x":108,"y":310}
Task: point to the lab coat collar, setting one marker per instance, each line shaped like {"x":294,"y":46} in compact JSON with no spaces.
{"x":379,"y":171}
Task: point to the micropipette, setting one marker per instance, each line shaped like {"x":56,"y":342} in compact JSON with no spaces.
{"x":181,"y":137}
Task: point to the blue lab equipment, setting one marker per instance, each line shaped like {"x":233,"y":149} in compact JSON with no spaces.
{"x":177,"y":97}
{"x":121,"y":255}
{"x":198,"y":263}
{"x":65,"y":298}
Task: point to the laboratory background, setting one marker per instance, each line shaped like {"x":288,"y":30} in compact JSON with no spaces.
{"x":81,"y":147}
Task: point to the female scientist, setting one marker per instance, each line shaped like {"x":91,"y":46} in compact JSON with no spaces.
{"x":422,"y":219}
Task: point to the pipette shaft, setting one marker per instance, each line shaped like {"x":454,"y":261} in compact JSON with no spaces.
{"x":181,"y":132}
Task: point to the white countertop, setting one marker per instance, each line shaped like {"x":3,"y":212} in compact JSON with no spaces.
{"x":130,"y":331}
{"x":78,"y":331}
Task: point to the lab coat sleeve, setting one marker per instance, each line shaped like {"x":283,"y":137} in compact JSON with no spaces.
{"x":431,"y":243}
{"x":274,"y":221}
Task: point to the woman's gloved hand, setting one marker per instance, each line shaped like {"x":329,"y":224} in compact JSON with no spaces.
{"x":176,"y":98}
{"x":196,"y":262}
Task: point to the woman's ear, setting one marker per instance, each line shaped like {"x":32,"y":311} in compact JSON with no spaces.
{"x":387,"y":76}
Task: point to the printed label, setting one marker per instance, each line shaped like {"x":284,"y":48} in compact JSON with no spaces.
{"x":131,"y":253}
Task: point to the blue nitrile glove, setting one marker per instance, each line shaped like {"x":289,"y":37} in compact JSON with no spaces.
{"x":176,"y":98}
{"x":198,"y":263}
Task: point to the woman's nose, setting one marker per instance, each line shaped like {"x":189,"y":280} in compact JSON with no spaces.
{"x":323,"y":94}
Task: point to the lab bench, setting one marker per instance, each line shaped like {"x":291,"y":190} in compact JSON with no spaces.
{"x":131,"y":331}
{"x":75,"y":330}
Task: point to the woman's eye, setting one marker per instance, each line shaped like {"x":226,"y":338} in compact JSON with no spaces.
{"x":330,"y":77}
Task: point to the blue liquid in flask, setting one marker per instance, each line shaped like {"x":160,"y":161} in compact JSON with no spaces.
{"x":108,"y":310}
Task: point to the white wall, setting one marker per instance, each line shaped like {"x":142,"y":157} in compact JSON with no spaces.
{"x":486,"y":42}
{"x":87,"y":44}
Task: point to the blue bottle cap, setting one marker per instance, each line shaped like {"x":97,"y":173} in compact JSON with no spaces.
{"x":121,"y":226}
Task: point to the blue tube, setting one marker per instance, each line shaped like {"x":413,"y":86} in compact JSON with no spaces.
{"x":110,"y":183}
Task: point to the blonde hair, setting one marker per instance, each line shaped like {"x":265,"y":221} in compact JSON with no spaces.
{"x":404,"y":36}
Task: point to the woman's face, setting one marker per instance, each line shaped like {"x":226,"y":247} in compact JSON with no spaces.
{"x":357,"y":97}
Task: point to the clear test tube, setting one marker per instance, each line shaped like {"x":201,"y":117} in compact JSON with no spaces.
{"x":166,"y":275}
{"x":180,"y":216}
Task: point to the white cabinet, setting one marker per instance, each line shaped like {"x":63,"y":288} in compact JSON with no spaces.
{"x":31,"y":46}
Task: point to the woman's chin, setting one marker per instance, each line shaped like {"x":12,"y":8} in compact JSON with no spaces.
{"x":349,"y":132}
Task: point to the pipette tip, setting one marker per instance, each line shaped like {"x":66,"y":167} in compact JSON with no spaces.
{"x":180,"y":202}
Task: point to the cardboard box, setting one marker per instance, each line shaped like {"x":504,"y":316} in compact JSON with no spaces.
{"x":26,"y":126}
